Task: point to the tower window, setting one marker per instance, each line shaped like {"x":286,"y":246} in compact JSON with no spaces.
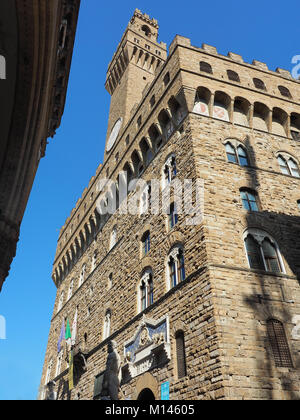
{"x":205,"y":67}
{"x":232,"y":75}
{"x":249,"y":199}
{"x":146,"y":30}
{"x":259,"y":84}
{"x":298,"y":203}
{"x":279,"y":344}
{"x":139,"y":121}
{"x":152,"y":101}
{"x":180,"y":353}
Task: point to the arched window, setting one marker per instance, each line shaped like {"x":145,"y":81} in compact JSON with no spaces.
{"x":146,"y":243}
{"x":237,"y":154}
{"x":232,"y":75}
{"x":113,"y":237}
{"x":176,"y":267}
{"x":284,"y":91}
{"x":146,"y":30}
{"x":288,"y":166}
{"x":259,"y":84}
{"x":170,"y":170}
{"x":262,"y":251}
{"x":173,"y":216}
{"x":107,"y":324}
{"x":146,"y":290}
{"x":180,"y":354}
{"x":205,"y":67}
{"x":279,"y":344}
{"x":249,"y":199}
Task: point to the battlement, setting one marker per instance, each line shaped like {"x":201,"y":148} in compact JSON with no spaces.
{"x":233,"y":57}
{"x":146,"y":18}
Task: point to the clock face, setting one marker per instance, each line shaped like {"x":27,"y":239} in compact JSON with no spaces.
{"x":114,"y":134}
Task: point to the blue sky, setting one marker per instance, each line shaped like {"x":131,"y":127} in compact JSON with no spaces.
{"x":261,"y":30}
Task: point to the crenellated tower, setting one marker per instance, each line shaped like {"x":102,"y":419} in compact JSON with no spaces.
{"x":134,"y":66}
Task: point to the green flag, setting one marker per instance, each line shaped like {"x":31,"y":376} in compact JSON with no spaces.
{"x":68,"y":331}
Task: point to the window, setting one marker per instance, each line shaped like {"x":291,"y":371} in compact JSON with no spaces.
{"x":173,"y":216}
{"x":249,"y":199}
{"x":237,"y":154}
{"x":113,"y":237}
{"x":298,"y":203}
{"x":176,"y":267}
{"x":205,"y":67}
{"x":232,"y":75}
{"x":146,"y":243}
{"x":284,"y":91}
{"x":61,"y":301}
{"x":279,"y":344}
{"x":180,"y":353}
{"x":167,"y":79}
{"x":107,"y":324}
{"x":139,"y":121}
{"x":288,"y":166}
{"x":146,"y":290}
{"x":259,"y":84}
{"x":127,"y":140}
{"x":82,"y":275}
{"x":263,"y":253}
{"x":71,"y":289}
{"x":145,"y":202}
{"x":170,"y":170}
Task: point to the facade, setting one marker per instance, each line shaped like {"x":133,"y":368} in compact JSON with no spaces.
{"x":204,"y":310}
{"x":36,"y":46}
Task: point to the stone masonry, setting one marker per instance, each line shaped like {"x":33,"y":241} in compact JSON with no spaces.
{"x":174,"y":106}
